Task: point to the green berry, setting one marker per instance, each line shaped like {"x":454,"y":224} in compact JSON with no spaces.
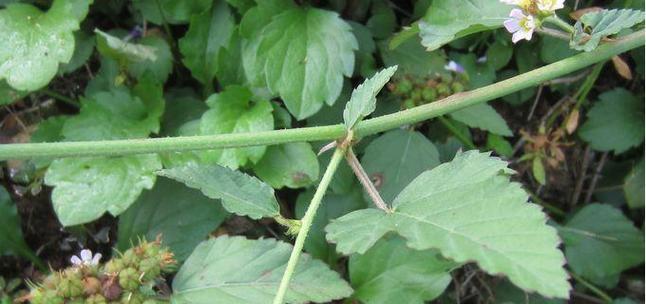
{"x":129,"y":279}
{"x":70,"y":287}
{"x":446,"y":78}
{"x":404,"y":87}
{"x":416,"y":95}
{"x":150,"y":268}
{"x":96,"y":299}
{"x":429,"y":94}
{"x":443,"y":89}
{"x":409,"y":103}
{"x":457,"y":87}
{"x":133,"y":298}
{"x":114,"y":266}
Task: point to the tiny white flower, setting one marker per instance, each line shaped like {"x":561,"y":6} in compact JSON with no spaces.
{"x":549,"y":6}
{"x":482,"y":59}
{"x":454,"y":67}
{"x":525,"y":4}
{"x":522,"y":26}
{"x":86,"y":259}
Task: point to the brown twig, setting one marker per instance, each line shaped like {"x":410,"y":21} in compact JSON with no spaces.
{"x":538,"y":97}
{"x":365,"y":180}
{"x":578,"y":188}
{"x":595,"y":177}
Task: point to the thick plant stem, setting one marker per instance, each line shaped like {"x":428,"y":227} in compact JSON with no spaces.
{"x":365,"y":181}
{"x":306,"y":222}
{"x":560,"y":23}
{"x":370,"y":126}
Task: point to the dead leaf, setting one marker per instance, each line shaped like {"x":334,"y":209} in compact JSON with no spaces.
{"x":576,"y":15}
{"x":622,"y":68}
{"x":572,"y":122}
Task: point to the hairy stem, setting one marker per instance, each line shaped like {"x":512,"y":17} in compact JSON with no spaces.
{"x":371,"y":126}
{"x":306,"y":223}
{"x":365,"y":180}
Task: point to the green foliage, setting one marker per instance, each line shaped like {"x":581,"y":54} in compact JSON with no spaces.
{"x":170,"y":11}
{"x":284,"y":46}
{"x":483,"y":116}
{"x":240,"y":193}
{"x":181,"y":216}
{"x":615,"y":122}
{"x":364,"y":98}
{"x":34,"y":42}
{"x":634,"y":186}
{"x":594,"y":26}
{"x":467,"y":217}
{"x":600,"y":242}
{"x":236,"y":270}
{"x":292,"y":165}
{"x":11,"y":239}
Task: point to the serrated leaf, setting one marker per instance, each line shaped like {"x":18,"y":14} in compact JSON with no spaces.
{"x":395,"y":158}
{"x":34,"y":43}
{"x":615,"y":122}
{"x":86,"y":188}
{"x":600,"y":242}
{"x":159,"y":68}
{"x":412,"y":58}
{"x":447,"y":20}
{"x":470,"y":211}
{"x":293,"y":165}
{"x":208,"y":33}
{"x":364,"y":97}
{"x":170,"y":11}
{"x":232,"y":111}
{"x":240,"y":193}
{"x":236,"y":270}
{"x":484,"y":117}
{"x":596,"y":25}
{"x":286,"y":47}
{"x":11,"y":238}
{"x":413,"y":276}
{"x":182,"y":216}
{"x":122,"y":50}
{"x":634,"y":186}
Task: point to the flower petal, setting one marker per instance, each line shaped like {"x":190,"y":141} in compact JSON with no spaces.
{"x":517,"y":14}
{"x":76,"y":260}
{"x":96,"y":259}
{"x":519,"y":35}
{"x":86,"y":255}
{"x":512,"y":25}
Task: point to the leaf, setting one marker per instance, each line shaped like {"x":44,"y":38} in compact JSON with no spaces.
{"x":240,"y":193}
{"x":538,"y":170}
{"x":615,"y":122}
{"x":412,"y":276}
{"x":480,"y":74}
{"x":382,"y":22}
{"x":170,"y":11}
{"x":236,"y":270}
{"x":86,"y":188}
{"x":507,"y":293}
{"x":160,"y":68}
{"x":484,"y":117}
{"x":34,"y":43}
{"x":412,"y":58}
{"x":11,"y":238}
{"x":634,"y":186}
{"x":500,"y":145}
{"x":232,"y":111}
{"x":364,"y":97}
{"x":396,"y":158}
{"x":9,"y":95}
{"x":119,"y":49}
{"x":208,"y":33}
{"x":286,"y":47}
{"x":183,"y":217}
{"x":499,"y":53}
{"x":49,"y":130}
{"x":84,"y":47}
{"x":470,"y":211}
{"x":594,"y":26}
{"x":447,"y":20}
{"x":553,"y":49}
{"x":293,"y":165}
{"x":600,"y":242}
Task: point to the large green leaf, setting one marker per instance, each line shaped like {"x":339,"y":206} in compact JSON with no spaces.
{"x":507,"y":293}
{"x":395,"y":158}
{"x":299,"y":53}
{"x":11,"y":239}
{"x":208,"y":33}
{"x":593,"y":26}
{"x":412,"y":276}
{"x":293,"y":165}
{"x":615,"y":122}
{"x":482,"y":116}
{"x":634,"y":186}
{"x":182,"y":216}
{"x":34,"y":43}
{"x":83,"y":49}
{"x":470,"y":211}
{"x":412,"y":58}
{"x":232,"y":111}
{"x":364,"y":98}
{"x":171,"y":11}
{"x":447,"y":20}
{"x":236,"y":270}
{"x":601,"y":242}
{"x":240,"y":193}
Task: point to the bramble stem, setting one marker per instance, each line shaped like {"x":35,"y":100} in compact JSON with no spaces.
{"x":554,"y":19}
{"x":367,"y":127}
{"x":365,"y":180}
{"x":306,"y":222}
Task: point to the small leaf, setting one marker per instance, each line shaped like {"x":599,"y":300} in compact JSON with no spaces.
{"x":122,"y":50}
{"x":538,"y":170}
{"x":447,"y":20}
{"x":507,"y":293}
{"x":364,"y":97}
{"x":500,"y":145}
{"x":293,"y":165}
{"x":412,"y":58}
{"x":34,"y":43}
{"x":599,"y":24}
{"x":470,"y":211}
{"x":240,"y":193}
{"x":11,"y":238}
{"x":299,"y":53}
{"x":634,"y":186}
{"x":483,"y":116}
{"x":615,"y":122}
{"x":412,"y":276}
{"x":170,"y":11}
{"x":84,"y":47}
{"x":600,"y":241}
{"x":232,"y":270}
{"x":183,"y":217}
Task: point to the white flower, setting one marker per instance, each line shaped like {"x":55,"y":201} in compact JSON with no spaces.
{"x":525,"y":4}
{"x":454,"y":67}
{"x":86,"y":258}
{"x":521,"y":25}
{"x":549,"y":6}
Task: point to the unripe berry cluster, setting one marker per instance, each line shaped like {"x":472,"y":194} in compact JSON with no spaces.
{"x":129,"y":278}
{"x":415,"y":91}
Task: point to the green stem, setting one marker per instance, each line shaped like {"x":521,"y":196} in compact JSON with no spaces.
{"x":306,"y":223}
{"x":60,"y":97}
{"x":466,"y":141}
{"x":554,"y":19}
{"x":371,"y":126}
{"x":594,"y":289}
